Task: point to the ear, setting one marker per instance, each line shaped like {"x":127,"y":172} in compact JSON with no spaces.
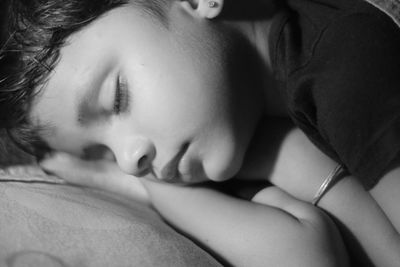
{"x":209,"y":9}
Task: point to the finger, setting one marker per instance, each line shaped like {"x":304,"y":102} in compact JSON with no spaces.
{"x":102,"y":174}
{"x":70,"y":168}
{"x":58,"y":164}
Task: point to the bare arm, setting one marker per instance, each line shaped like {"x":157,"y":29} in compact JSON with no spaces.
{"x":301,"y":169}
{"x":386,"y":193}
{"x":242,"y":233}
{"x":285,"y":233}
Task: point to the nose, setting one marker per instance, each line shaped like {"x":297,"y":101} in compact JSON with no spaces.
{"x":135,"y":156}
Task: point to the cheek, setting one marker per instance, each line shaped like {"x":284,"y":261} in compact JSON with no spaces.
{"x":171,"y":101}
{"x":186,"y":102}
{"x":223,"y":159}
{"x":187,"y":110}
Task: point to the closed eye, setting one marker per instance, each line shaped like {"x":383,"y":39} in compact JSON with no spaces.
{"x":122,"y":97}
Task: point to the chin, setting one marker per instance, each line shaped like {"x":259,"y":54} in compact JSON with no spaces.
{"x":205,"y":175}
{"x":193,"y":179}
{"x":222,"y":172}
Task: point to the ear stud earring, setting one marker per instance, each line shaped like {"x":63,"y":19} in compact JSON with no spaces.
{"x":212,"y":4}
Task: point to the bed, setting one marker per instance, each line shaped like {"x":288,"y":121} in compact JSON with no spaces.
{"x":45,"y":222}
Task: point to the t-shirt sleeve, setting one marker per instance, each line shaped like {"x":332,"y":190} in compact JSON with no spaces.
{"x":356,"y":93}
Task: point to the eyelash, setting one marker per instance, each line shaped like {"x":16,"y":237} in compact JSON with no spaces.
{"x":121,"y":99}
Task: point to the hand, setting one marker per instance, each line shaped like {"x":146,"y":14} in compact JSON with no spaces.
{"x":99,"y":174}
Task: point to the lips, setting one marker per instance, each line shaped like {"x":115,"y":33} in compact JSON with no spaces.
{"x":170,"y":171}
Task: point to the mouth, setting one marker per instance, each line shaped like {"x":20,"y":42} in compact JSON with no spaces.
{"x":170,"y":172}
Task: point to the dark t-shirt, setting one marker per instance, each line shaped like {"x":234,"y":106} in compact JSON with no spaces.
{"x":339,"y":63}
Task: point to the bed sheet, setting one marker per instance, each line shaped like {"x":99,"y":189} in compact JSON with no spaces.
{"x":44,"y":222}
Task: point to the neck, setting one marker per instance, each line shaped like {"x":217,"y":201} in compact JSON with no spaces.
{"x":257,"y":34}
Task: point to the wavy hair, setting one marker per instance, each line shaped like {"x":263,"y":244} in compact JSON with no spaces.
{"x":33,"y":34}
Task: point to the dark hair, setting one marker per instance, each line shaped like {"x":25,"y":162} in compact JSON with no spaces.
{"x":33,"y":34}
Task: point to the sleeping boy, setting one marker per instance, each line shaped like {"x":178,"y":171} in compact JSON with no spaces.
{"x":182,"y":92}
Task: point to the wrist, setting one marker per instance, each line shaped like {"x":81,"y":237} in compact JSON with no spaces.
{"x":160,"y":191}
{"x":333,"y":177}
{"x":301,"y":167}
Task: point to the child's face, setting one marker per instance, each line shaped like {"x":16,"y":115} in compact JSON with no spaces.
{"x":173,"y":106}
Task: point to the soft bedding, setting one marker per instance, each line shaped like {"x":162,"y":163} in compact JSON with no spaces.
{"x":44,"y":222}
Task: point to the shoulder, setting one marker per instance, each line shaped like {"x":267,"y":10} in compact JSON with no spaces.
{"x":327,"y":28}
{"x":347,"y":94}
{"x":361,"y":26}
{"x":358,"y":52}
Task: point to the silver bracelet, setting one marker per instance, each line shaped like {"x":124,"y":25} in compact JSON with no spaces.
{"x":332,"y":177}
